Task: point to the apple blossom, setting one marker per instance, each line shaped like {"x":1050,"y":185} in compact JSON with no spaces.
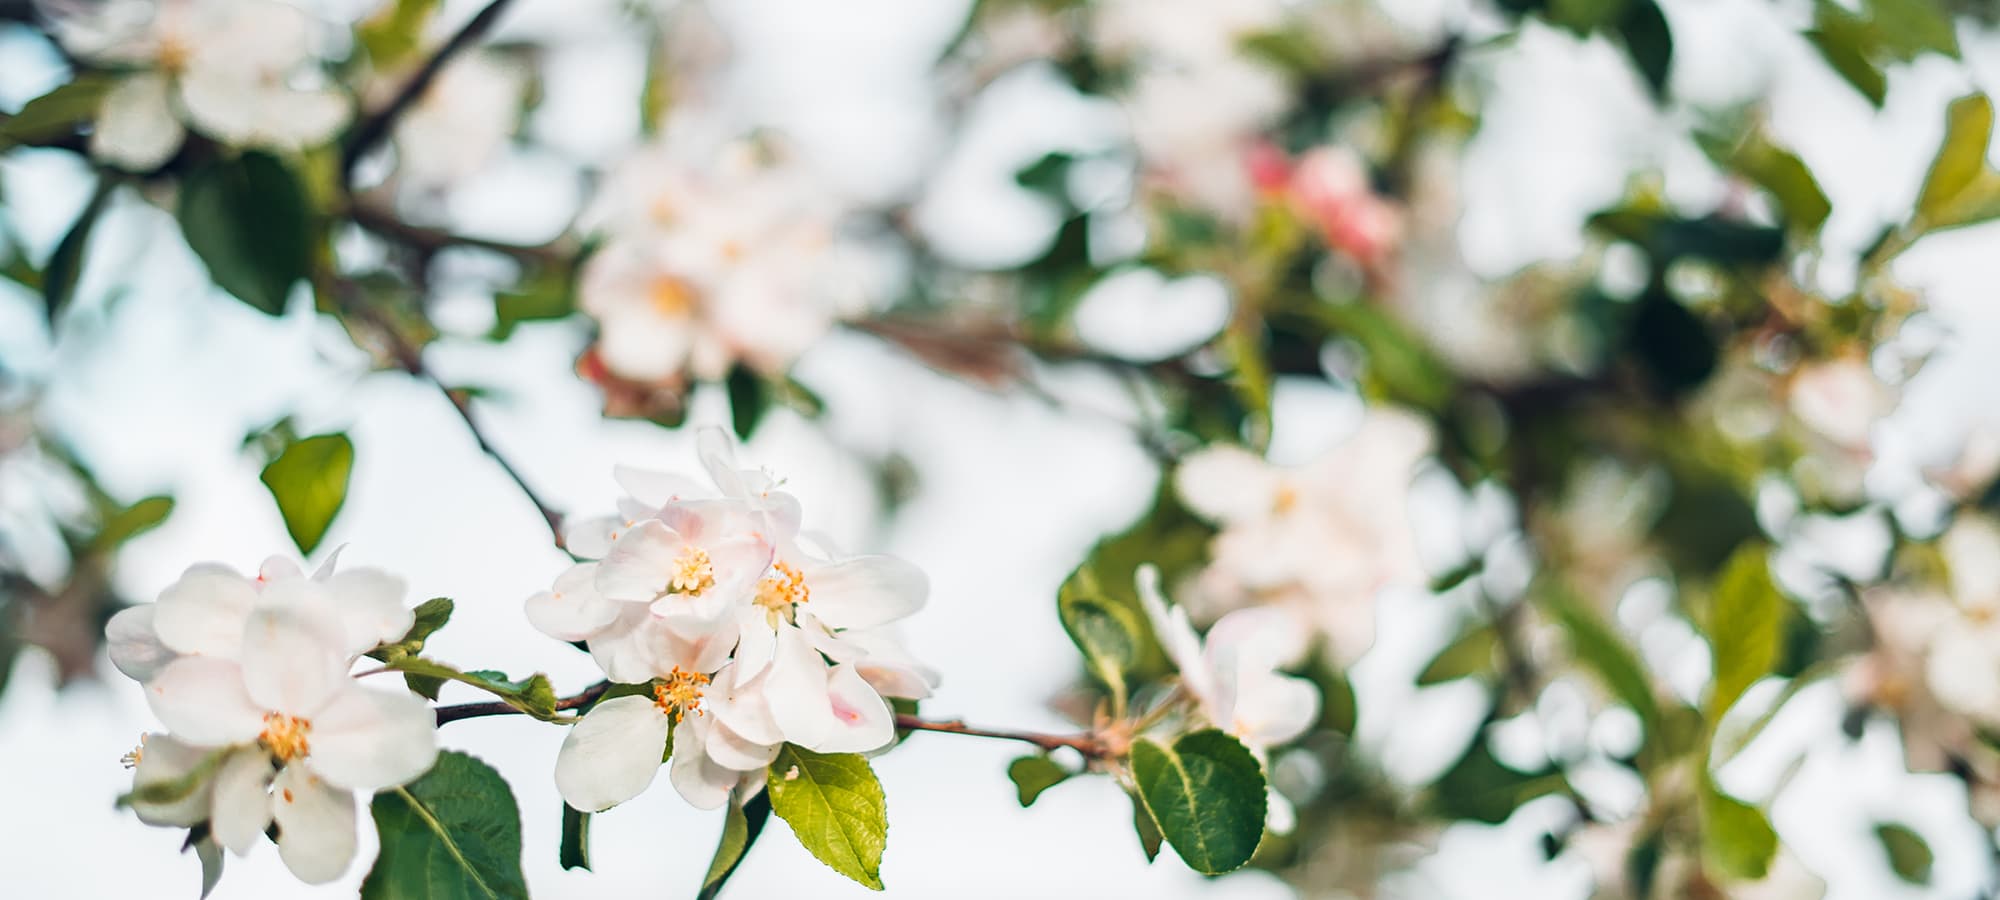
{"x":461,"y":122}
{"x":1329,"y":188}
{"x":1322,"y":539}
{"x":236,"y":70}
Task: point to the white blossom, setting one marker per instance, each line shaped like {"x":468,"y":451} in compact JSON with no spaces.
{"x":461,"y":122}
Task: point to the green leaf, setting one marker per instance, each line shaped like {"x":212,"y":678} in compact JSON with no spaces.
{"x":56,"y":114}
{"x":1034,"y":774}
{"x":835,"y":806}
{"x":532,"y":695}
{"x":247,"y":220}
{"x":1470,"y":654}
{"x":211,"y":856}
{"x":1909,"y":854}
{"x":395,"y":31}
{"x":1778,"y":171}
{"x":1648,"y":41}
{"x":574,"y":851}
{"x":1841,"y":48}
{"x":1605,"y":654}
{"x":740,"y":830}
{"x":747,"y":400}
{"x":65,"y":268}
{"x":130,"y":522}
{"x":454,"y":834}
{"x":1105,"y":630}
{"x":543,"y":295}
{"x":1737,"y":840}
{"x":1481,"y":788}
{"x":1207,"y":795}
{"x":309,"y":481}
{"x":1961,"y":187}
{"x":1149,"y":830}
{"x":429,"y":616}
{"x":1745,"y":627}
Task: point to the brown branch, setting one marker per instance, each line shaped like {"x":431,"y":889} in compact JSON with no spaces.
{"x":376,"y":127}
{"x":1088,"y":745}
{"x":459,"y":711}
{"x":386,"y":224}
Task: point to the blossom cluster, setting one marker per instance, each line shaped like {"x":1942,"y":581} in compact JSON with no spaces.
{"x":266,"y":725}
{"x":747,"y":634}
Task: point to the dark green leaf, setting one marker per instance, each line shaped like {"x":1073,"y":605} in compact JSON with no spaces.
{"x":1480,"y":788}
{"x":574,"y":851}
{"x":1737,"y":840}
{"x":744,"y":823}
{"x":247,"y":220}
{"x":1034,"y":774}
{"x":835,"y":806}
{"x":57,"y":114}
{"x":545,"y":294}
{"x":1470,"y":654}
{"x":1207,"y":795}
{"x":65,"y":268}
{"x":1745,"y":627}
{"x":1909,"y":854}
{"x":309,"y":481}
{"x":747,"y":400}
{"x":1107,"y":632}
{"x":1649,"y":42}
{"x":454,"y":834}
{"x":130,"y":522}
{"x":1149,"y":831}
{"x":1672,"y":342}
{"x":1842,"y":50}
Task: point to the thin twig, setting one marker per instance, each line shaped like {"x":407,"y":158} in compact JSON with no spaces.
{"x":1088,"y":745}
{"x":431,"y":240}
{"x":459,"y":711}
{"x":373,"y":129}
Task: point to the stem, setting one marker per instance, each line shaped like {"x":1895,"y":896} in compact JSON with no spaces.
{"x":431,"y":240}
{"x":1086,"y":744}
{"x":459,"y":711}
{"x":373,"y":129}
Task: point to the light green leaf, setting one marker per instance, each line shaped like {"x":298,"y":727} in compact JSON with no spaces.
{"x":429,"y":616}
{"x":1778,"y":171}
{"x":395,"y":31}
{"x":247,"y":220}
{"x":744,"y":823}
{"x":309,"y":481}
{"x":1745,"y":627}
{"x":1470,"y":654}
{"x":1034,"y":774}
{"x":1909,"y":854}
{"x":532,"y":695}
{"x":211,"y":856}
{"x":1207,"y":795}
{"x":130,"y":522}
{"x":1737,"y":840}
{"x":835,"y":806}
{"x":1961,"y":188}
{"x":454,"y":834}
{"x":56,"y":114}
{"x":574,"y":850}
{"x":1105,"y":630}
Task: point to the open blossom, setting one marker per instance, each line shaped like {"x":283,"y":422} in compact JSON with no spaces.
{"x":747,"y":640}
{"x":1236,"y":675}
{"x":240,"y":71}
{"x":712,"y":255}
{"x":1329,"y":187}
{"x":1963,"y":664}
{"x":252,"y":679}
{"x":1841,"y":400}
{"x":1320,"y":540}
{"x":462,"y":121}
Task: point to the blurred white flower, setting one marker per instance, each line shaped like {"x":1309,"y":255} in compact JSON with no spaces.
{"x":240,"y":71}
{"x":461,"y":122}
{"x":1963,"y":665}
{"x":1840,"y":399}
{"x":1323,"y":539}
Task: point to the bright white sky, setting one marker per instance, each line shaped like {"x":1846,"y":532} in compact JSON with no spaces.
{"x":159,"y":390}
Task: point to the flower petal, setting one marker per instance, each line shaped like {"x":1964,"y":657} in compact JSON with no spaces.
{"x":315,"y":825}
{"x":866,"y":591}
{"x":1228,"y":484}
{"x":203,"y":612}
{"x":203,"y":702}
{"x":637,"y":568}
{"x":591,"y":538}
{"x":733,"y":751}
{"x":796,"y":689}
{"x":369,"y":603}
{"x":612,"y":753}
{"x":293,"y":660}
{"x":702,"y":783}
{"x":163,"y":758}
{"x":742,"y":709}
{"x":242,"y":799}
{"x":367,"y":740}
{"x":865,"y":720}
{"x":573,"y":610}
{"x":1176,"y":634}
{"x":756,"y":641}
{"x":1271,"y":709}
{"x":135,"y":647}
{"x":135,"y":128}
{"x":657,"y":489}
{"x":624,"y":649}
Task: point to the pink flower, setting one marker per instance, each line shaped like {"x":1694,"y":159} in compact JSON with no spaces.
{"x":1329,"y":187}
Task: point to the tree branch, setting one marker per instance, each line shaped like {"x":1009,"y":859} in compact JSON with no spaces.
{"x":459,"y":711}
{"x":1088,"y":745}
{"x":376,"y":127}
{"x":386,"y":224}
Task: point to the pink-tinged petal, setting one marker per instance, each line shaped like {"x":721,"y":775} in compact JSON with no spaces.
{"x":315,"y":825}
{"x":623,"y":650}
{"x":203,"y":612}
{"x":573,"y":610}
{"x":293,"y":659}
{"x":242,"y":807}
{"x":834,"y":646}
{"x":367,"y":740}
{"x":733,"y":751}
{"x":881,"y":659}
{"x":702,"y":783}
{"x":369,"y":603}
{"x":203,"y":702}
{"x":640,"y":563}
{"x":657,"y":489}
{"x":279,"y":568}
{"x":866,"y":591}
{"x":1176,"y":635}
{"x":756,"y":642}
{"x":865,"y":720}
{"x":1229,"y":484}
{"x":740,"y":563}
{"x":718,"y":456}
{"x":162,"y":758}
{"x":612,"y":753}
{"x":135,"y":647}
{"x":742,"y":709}
{"x":796,"y":689}
{"x":707,"y":521}
{"x":781,"y":514}
{"x":592,"y":538}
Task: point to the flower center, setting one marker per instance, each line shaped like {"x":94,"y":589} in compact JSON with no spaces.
{"x":131,"y":759}
{"x":780,"y":591}
{"x":1286,"y":500}
{"x":174,"y":53}
{"x":285,"y":736}
{"x":671,"y":297}
{"x":693,"y":572}
{"x":680,"y":693}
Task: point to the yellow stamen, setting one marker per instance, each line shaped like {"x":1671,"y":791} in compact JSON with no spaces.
{"x":1287,"y":498}
{"x":131,"y":760}
{"x":777,"y":593}
{"x":693,"y":572}
{"x":285,"y":736}
{"x":671,"y":297}
{"x":680,"y":693}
